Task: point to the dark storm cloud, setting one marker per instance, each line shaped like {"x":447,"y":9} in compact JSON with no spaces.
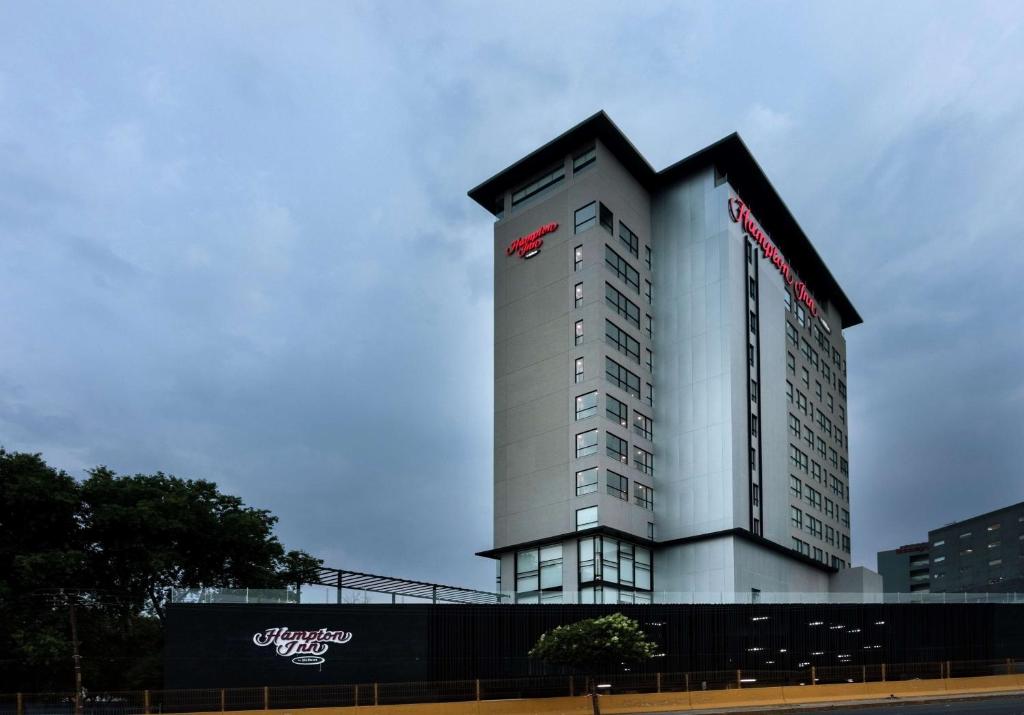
{"x":236,"y":242}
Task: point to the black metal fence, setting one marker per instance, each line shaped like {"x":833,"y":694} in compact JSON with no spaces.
{"x":146,"y":702}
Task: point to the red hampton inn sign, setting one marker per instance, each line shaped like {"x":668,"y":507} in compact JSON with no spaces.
{"x":740,"y":213}
{"x":529,"y":245}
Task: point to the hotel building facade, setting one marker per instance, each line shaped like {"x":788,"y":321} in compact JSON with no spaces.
{"x":669,"y":381}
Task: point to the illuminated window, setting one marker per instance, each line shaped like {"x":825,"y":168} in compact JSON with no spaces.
{"x":618,"y":486}
{"x":579,"y":332}
{"x":643,"y":426}
{"x":578,"y":295}
{"x":586,"y":481}
{"x":586,"y":443}
{"x":586,"y":518}
{"x":586,"y":405}
{"x":622,"y":377}
{"x":643,"y":460}
{"x":643,"y":496}
{"x":577,"y":259}
{"x":586,"y":217}
{"x":579,"y":370}
{"x":617,"y":448}
{"x":616,"y":411}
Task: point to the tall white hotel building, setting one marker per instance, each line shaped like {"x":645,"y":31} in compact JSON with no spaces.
{"x":670,"y":415}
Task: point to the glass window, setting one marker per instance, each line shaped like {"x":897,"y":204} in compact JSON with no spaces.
{"x":583,"y":160}
{"x":620,"y":266}
{"x":643,"y":460}
{"x":643,"y":496}
{"x":649,"y":394}
{"x":586,"y":443}
{"x":621,"y":377}
{"x":586,"y":518}
{"x":578,"y":295}
{"x":616,"y":411}
{"x":586,"y":481}
{"x":796,"y":487}
{"x":789,"y":390}
{"x":791,"y":333}
{"x":649,"y":359}
{"x":617,"y":448}
{"x":649,"y":326}
{"x":578,"y":332}
{"x":586,"y":217}
{"x":577,"y":259}
{"x":801,"y":316}
{"x":586,"y":405}
{"x":647,"y":256}
{"x":630,"y":239}
{"x":549,"y":179}
{"x":622,"y":341}
{"x":618,"y":485}
{"x":579,"y":370}
{"x":622,"y":305}
{"x":648,"y":292}
{"x":794,"y":427}
{"x":796,"y":518}
{"x":643,"y":425}
{"x":753,"y":390}
{"x":607,"y":220}
{"x":791,"y":363}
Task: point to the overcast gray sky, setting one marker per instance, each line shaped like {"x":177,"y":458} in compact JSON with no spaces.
{"x":236,"y":242}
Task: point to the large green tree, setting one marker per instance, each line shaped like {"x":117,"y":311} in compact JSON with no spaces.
{"x":116,"y":546}
{"x":595,"y":645}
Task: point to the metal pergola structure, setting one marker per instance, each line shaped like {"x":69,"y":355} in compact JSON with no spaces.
{"x":341,"y":579}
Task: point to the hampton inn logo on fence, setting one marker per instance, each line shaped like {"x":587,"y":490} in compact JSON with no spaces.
{"x":304,"y":647}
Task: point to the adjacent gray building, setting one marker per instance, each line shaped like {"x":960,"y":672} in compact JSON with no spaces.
{"x":982,"y":554}
{"x":669,"y":380}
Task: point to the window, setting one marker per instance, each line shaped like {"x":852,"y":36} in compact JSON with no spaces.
{"x":616,"y":411}
{"x":617,"y":448}
{"x":622,"y":570}
{"x":994,"y":527}
{"x":817,"y":389}
{"x":578,"y":332}
{"x":578,"y":295}
{"x":829,"y":401}
{"x":648,"y":292}
{"x":791,"y":333}
{"x":755,"y":494}
{"x":647,"y":256}
{"x":788,"y":300}
{"x":752,"y":287}
{"x":809,"y":438}
{"x":625,"y":272}
{"x":549,"y":179}
{"x":830,"y":508}
{"x":821,"y":448}
{"x":794,"y":427}
{"x":644,"y":461}
{"x":622,"y":305}
{"x":607,"y":220}
{"x":577,"y":259}
{"x":539,"y":574}
{"x":801,"y":316}
{"x":649,"y":326}
{"x":618,"y":486}
{"x":649,"y":394}
{"x":586,"y":481}
{"x":649,"y":359}
{"x":796,"y":488}
{"x":842,"y":414}
{"x":586,"y":443}
{"x":791,"y":363}
{"x":753,"y":390}
{"x":816,"y":471}
{"x":579,"y":370}
{"x":798,"y":459}
{"x":842,"y":389}
{"x":750,"y":355}
{"x":813,"y":526}
{"x":813,"y":497}
{"x":789,"y":391}
{"x":621,"y":377}
{"x":582,"y":161}
{"x":586,"y":405}
{"x":796,"y":518}
{"x":940,"y":542}
{"x":801,"y":401}
{"x":643,"y":496}
{"x":643,"y":425}
{"x":805,"y":377}
{"x":650,"y":530}
{"x":586,"y":217}
{"x":753,"y":425}
{"x":622,"y":341}
{"x":586,"y":518}
{"x":830,"y":535}
{"x":629,"y":238}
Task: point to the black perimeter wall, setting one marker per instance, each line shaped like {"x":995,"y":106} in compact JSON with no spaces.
{"x":212,"y":645}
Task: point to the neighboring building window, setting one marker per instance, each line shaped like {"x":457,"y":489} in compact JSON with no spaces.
{"x":607,"y":220}
{"x":643,"y":496}
{"x":644,"y":461}
{"x":621,"y":377}
{"x":618,"y":486}
{"x":622,"y":305}
{"x":643,"y":426}
{"x":586,"y":217}
{"x":586,"y":405}
{"x":801,"y":401}
{"x":616,"y":411}
{"x":538,"y":185}
{"x":625,"y":272}
{"x":622,"y":341}
{"x":817,"y":389}
{"x":586,"y":518}
{"x":578,"y":295}
{"x":649,"y":394}
{"x":579,"y":332}
{"x":750,"y":355}
{"x":586,"y":443}
{"x":617,"y":448}
{"x":586,"y":481}
{"x":582,"y":161}
{"x":629,"y":238}
{"x":577,"y":259}
{"x":579,"y":370}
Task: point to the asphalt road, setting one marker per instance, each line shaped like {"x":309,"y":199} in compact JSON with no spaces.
{"x":1012,"y":705}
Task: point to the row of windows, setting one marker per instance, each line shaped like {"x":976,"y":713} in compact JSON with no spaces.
{"x":817,"y":553}
{"x":612,"y":561}
{"x":615,"y":447}
{"x":801,"y":521}
{"x":616,"y":485}
{"x":539,"y":574}
{"x":800,"y":399}
{"x":799,"y":461}
{"x":549,"y":179}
